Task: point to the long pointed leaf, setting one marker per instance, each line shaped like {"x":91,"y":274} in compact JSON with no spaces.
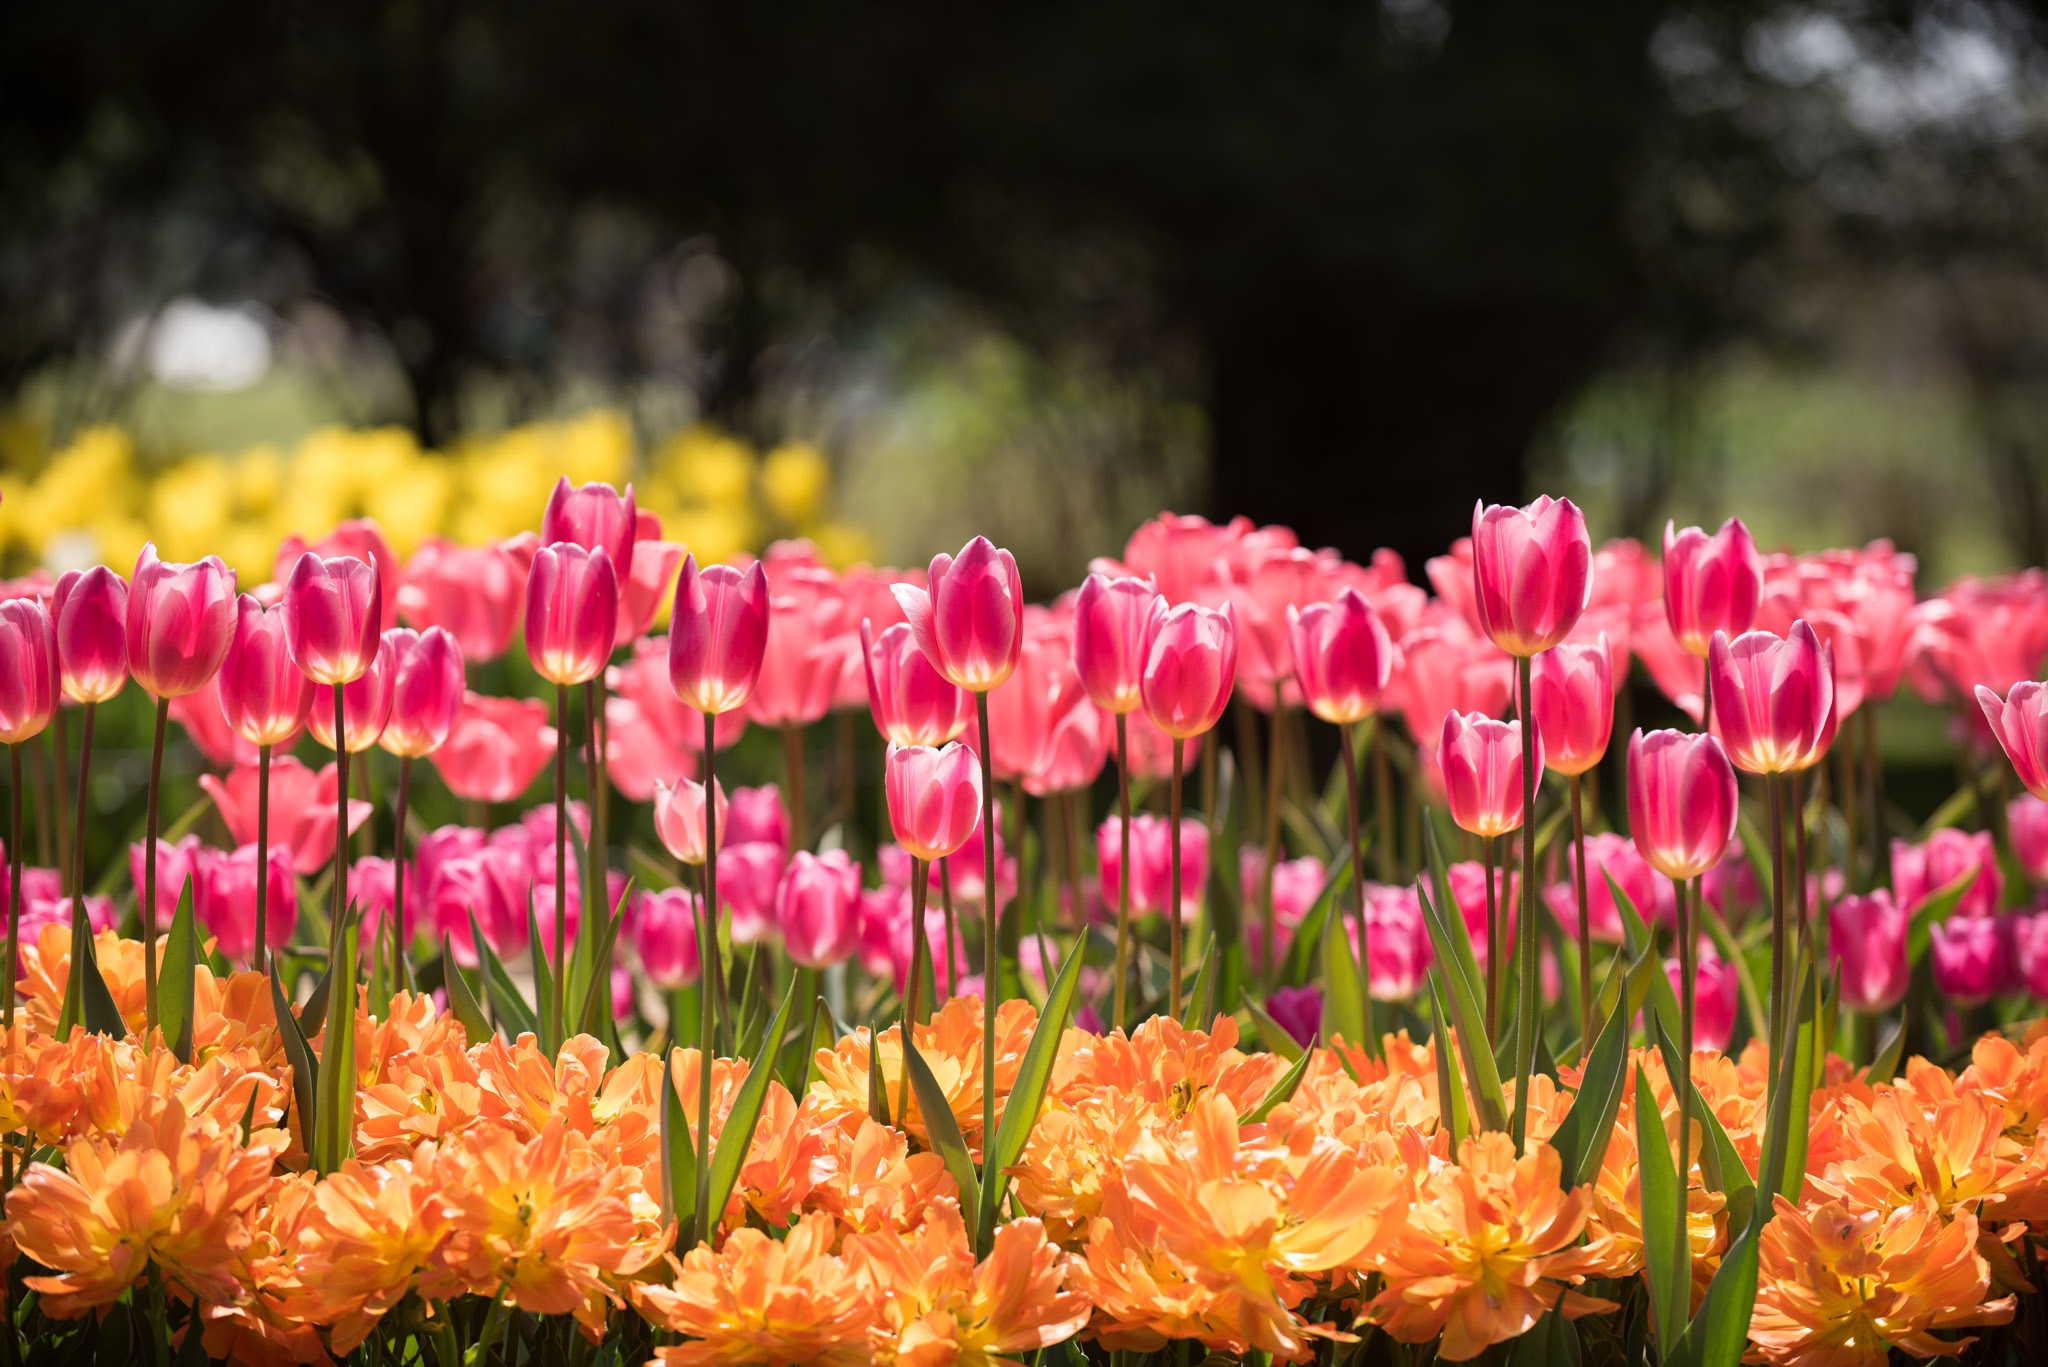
{"x":175,"y":987}
{"x":1449,"y":1093}
{"x":1308,"y":933}
{"x":1343,"y":1006}
{"x":1271,"y":1032}
{"x":87,"y":998}
{"x":500,"y":989}
{"x":730,"y":1152}
{"x":1027,"y":1093}
{"x":943,"y":1131}
{"x":305,"y":1070}
{"x":878,"y":1094}
{"x":1201,"y":1008}
{"x":462,"y":1002}
{"x":1581,"y":1138}
{"x":543,"y":982}
{"x":1661,"y":1212}
{"x":1456,"y":936}
{"x":1467,"y":1018}
{"x":337,"y":1121}
{"x":678,"y":1156}
{"x":1885,"y":1065}
{"x":1282,"y":1090}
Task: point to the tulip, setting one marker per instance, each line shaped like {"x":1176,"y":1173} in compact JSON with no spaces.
{"x":1295,"y":885}
{"x":265,"y":699}
{"x":1112,"y":619}
{"x":1711,"y":583}
{"x":1151,"y":880}
{"x":2020,"y":723}
{"x":1920,"y":871}
{"x":301,"y":808}
{"x":1714,"y":995}
{"x":1867,"y":940}
{"x":819,"y":906}
{"x":935,"y":798}
{"x":2026,"y":823}
{"x":679,"y":818}
{"x":1076,"y":743}
{"x":174,"y":865}
{"x":809,"y":649}
{"x":572,"y":608}
{"x":969,"y":622}
{"x":757,"y":817}
{"x":595,"y":517}
{"x":1681,"y":801}
{"x":1531,"y":573}
{"x":228,"y":888}
{"x":911,"y":702}
{"x":1398,"y":940}
{"x":28,"y":699}
{"x":365,"y":704}
{"x":472,"y":592}
{"x":90,"y":608}
{"x":1608,"y":855}
{"x":1573,"y":689}
{"x":751,"y":875}
{"x":490,"y":884}
{"x":2030,"y":952}
{"x":1771,"y":699}
{"x":1481,"y":762}
{"x":1971,"y":955}
{"x":650,"y":735}
{"x":718,"y":635}
{"x":1730,"y":887}
{"x":374,"y":888}
{"x":426,"y":699}
{"x":1298,"y":1011}
{"x":664,"y":937}
{"x":1483,"y":896}
{"x":497,"y":748}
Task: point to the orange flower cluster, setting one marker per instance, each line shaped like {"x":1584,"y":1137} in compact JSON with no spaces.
{"x":1167,"y":1192}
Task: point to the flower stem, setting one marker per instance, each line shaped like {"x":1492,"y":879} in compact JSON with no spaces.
{"x":920,"y":950}
{"x":1358,"y":884}
{"x":1119,"y":1020}
{"x":78,"y":821}
{"x":558,"y":996}
{"x":1527,"y":989}
{"x":262,"y":945}
{"x":13,"y":894}
{"x":793,"y":780}
{"x":340,"y":833}
{"x":1585,"y":928}
{"x":401,"y":977}
{"x":1173,"y":933}
{"x":1776,"y":815}
{"x":149,"y":825}
{"x":1494,"y":923}
{"x":1275,"y":757}
{"x":990,"y":984}
{"x":705,"y":1221}
{"x":943,"y":987}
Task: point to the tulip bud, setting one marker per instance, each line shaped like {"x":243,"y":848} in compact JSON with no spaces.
{"x":224,"y":898}
{"x":263,"y":695}
{"x":572,"y":611}
{"x":180,"y":620}
{"x":2026,"y":821}
{"x":1532,"y":573}
{"x":1867,"y":939}
{"x":1398,"y":953}
{"x":934,"y":797}
{"x":969,"y":621}
{"x":28,"y":670}
{"x":679,"y":818}
{"x":1481,"y":762}
{"x":1711,"y":583}
{"x":1970,"y":955}
{"x":1713,"y":999}
{"x":1151,"y":881}
{"x":1298,"y":1011}
{"x":334,"y":613}
{"x":2021,"y":724}
{"x":1920,"y":871}
{"x":365,"y":704}
{"x":595,"y":517}
{"x":911,"y":702}
{"x":1681,"y":801}
{"x":1343,"y":657}
{"x":758,"y":817}
{"x":1773,"y":699}
{"x":819,"y":907}
{"x":1190,"y":666}
{"x":717,"y":635}
{"x":91,"y":612}
{"x":1112,"y":620}
{"x":1572,"y":693}
{"x":664,"y":935}
{"x":749,"y":876}
{"x":426,"y":691}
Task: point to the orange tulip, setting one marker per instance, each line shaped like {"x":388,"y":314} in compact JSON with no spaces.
{"x":765,"y":1302}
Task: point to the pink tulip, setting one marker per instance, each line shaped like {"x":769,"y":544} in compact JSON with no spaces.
{"x":1180,"y":553}
{"x":1970,"y":956}
{"x":749,"y":877}
{"x":1609,"y":856}
{"x":1443,"y":669}
{"x":664,"y":937}
{"x":1112,"y":618}
{"x":180,"y":620}
{"x":1714,"y":995}
{"x":358,"y":538}
{"x":1481,"y":763}
{"x":29,"y":686}
{"x":718,"y":635}
{"x":1571,"y":688}
{"x":1531,"y":573}
{"x":1151,"y":869}
{"x":651,"y":585}
{"x":1276,"y":581}
{"x":426,"y":691}
{"x":2030,"y":952}
{"x":206,"y":725}
{"x":650,"y":734}
{"x":475,"y":593}
{"x":1298,"y":1011}
{"x":334,"y":613}
{"x":934,"y":797}
{"x":490,"y":883}
{"x":1773,"y":699}
{"x":224,"y":898}
{"x":1343,"y":658}
{"x":964,"y":865}
{"x":1398,"y":941}
{"x":1190,"y":664}
{"x":595,"y":517}
{"x":372,"y":886}
{"x":175,"y":863}
{"x":679,"y":818}
{"x":90,"y":608}
{"x":1867,"y":939}
{"x":819,"y":907}
{"x":1681,"y":801}
{"x":263,"y":695}
{"x":498,"y":747}
{"x":301,"y":809}
{"x":807,"y":649}
{"x":911,"y":702}
{"x":2026,"y":822}
{"x":1920,"y":871}
{"x":1296,"y":882}
{"x":1077,"y":745}
{"x":572,"y":611}
{"x":757,"y":816}
{"x":969,"y":622}
{"x":1711,"y":583}
{"x":1678,"y":674}
{"x":1731,"y":887}
{"x":1021,"y":708}
{"x":365,"y":704}
{"x":2020,"y":723}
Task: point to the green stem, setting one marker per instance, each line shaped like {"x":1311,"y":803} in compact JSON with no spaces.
{"x":401,"y":978}
{"x":1527,"y":989}
{"x":1776,"y":816}
{"x":706,"y":1221}
{"x":340,"y":830}
{"x":990,"y":984}
{"x":1120,"y":1020}
{"x":149,"y":829}
{"x":1371,"y":1040}
{"x":1274,"y":766}
{"x":78,"y":821}
{"x":919,"y":951}
{"x":558,"y":995}
{"x":1585,"y":928}
{"x":1173,"y":929}
{"x":257,"y":958}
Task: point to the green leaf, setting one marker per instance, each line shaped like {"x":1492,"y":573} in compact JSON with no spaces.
{"x":1343,"y":1005}
{"x":1459,"y":940}
{"x":1271,"y":1032}
{"x":503,"y":993}
{"x":1200,"y":1012}
{"x":1027,"y":1093}
{"x":1481,"y":1076}
{"x":543,"y":983}
{"x":1885,"y":1066}
{"x":1308,"y":934}
{"x":476,"y":1027}
{"x":305,"y":1070}
{"x":316,"y":1003}
{"x":1282,"y":1090}
{"x":1553,"y":1342}
{"x":793,"y":1064}
{"x":1450,"y":1096}
{"x":597,"y":994}
{"x":730,"y":1152}
{"x":678,"y":1156}
{"x":87,"y":997}
{"x":337,"y":1118}
{"x":1661,"y":1212}
{"x":1806,"y":1065}
{"x":1661,"y":999}
{"x":1720,"y":1165}
{"x":942,"y":1130}
{"x":175,"y":974}
{"x":878,"y":1095}
{"x":1581,"y":1138}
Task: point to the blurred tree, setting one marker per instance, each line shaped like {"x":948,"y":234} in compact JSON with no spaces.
{"x":1379,"y":242}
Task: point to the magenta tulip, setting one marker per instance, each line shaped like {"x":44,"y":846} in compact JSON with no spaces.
{"x":749,"y":876}
{"x":1920,"y":871}
{"x":1112,"y":619}
{"x":180,"y":620}
{"x":1397,"y":952}
{"x":302,"y":809}
{"x":2026,"y":822}
{"x":263,"y":694}
{"x":679,"y":818}
{"x":1714,"y":998}
{"x":819,"y":907}
{"x":1298,"y":1011}
{"x":1609,"y":856}
{"x":1773,"y":699}
{"x":1343,"y":657}
{"x":1481,"y":761}
{"x":1151,"y":863}
{"x":969,"y":619}
{"x":2021,"y":724}
{"x":934,"y":798}
{"x":224,"y":898}
{"x":595,"y":517}
{"x":1532,"y":573}
{"x":334,"y":612}
{"x":910,"y":701}
{"x":29,"y":685}
{"x":808,"y":649}
{"x":572,"y":611}
{"x":426,"y":691}
{"x":1711,"y":583}
{"x":1681,"y":801}
{"x":1572,"y":688}
{"x":718,"y":635}
{"x":497,"y":749}
{"x":757,"y":817}
{"x":1190,"y":666}
{"x":664,"y":937}
{"x":365,"y":704}
{"x":1867,"y":940}
{"x":1971,"y":956}
{"x":91,"y":612}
